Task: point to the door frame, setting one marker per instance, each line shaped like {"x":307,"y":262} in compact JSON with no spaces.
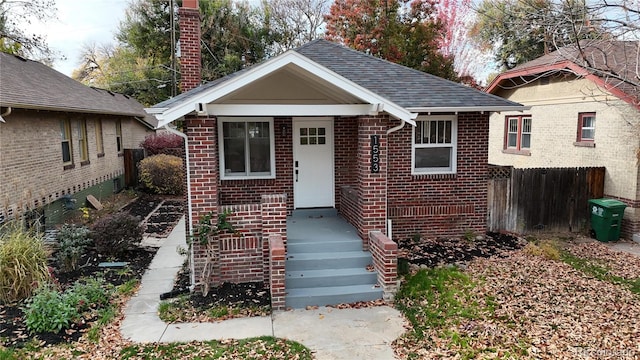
{"x":331,"y":121}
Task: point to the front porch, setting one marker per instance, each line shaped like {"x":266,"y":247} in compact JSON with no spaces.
{"x":312,"y":257}
{"x":325,"y":262}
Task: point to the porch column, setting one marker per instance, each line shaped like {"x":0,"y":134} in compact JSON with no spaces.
{"x":203,"y":167}
{"x":372,"y":183}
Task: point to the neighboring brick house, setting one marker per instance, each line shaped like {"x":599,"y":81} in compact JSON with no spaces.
{"x":324,"y":126}
{"x":60,"y":140}
{"x":584,"y":112}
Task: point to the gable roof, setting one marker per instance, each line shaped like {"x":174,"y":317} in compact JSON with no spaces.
{"x":403,"y":92}
{"x":28,"y":84}
{"x":611,"y":65}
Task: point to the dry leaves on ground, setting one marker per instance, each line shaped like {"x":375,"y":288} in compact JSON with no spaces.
{"x":534,"y":308}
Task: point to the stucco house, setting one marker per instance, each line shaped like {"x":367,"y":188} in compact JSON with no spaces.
{"x":60,"y":140}
{"x":392,"y":151}
{"x":584,"y":113}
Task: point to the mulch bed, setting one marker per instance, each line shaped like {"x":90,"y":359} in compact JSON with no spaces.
{"x":433,"y":252}
{"x":13,"y":331}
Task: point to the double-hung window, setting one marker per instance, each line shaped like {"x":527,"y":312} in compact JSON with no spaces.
{"x":586,"y":127}
{"x":518,"y":134}
{"x":435,"y":145}
{"x":247,"y":148}
{"x":83,"y":143}
{"x":99,"y":138}
{"x":67,"y":147}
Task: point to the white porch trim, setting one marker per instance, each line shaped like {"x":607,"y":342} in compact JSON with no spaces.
{"x":292,"y":110}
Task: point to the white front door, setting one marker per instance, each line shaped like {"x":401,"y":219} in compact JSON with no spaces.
{"x":313,"y":173}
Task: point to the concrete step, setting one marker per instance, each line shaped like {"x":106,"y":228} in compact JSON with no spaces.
{"x":332,"y":277}
{"x":328,"y":260}
{"x":328,"y":246}
{"x":334,"y":295}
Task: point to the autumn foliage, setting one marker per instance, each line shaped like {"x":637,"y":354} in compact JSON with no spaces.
{"x":404,"y":32}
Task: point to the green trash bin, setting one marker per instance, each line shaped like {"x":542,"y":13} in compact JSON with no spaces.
{"x":606,"y":218}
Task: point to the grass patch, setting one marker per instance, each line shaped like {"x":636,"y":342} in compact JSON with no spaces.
{"x":180,"y":309}
{"x":266,"y":347}
{"x":431,"y":298}
{"x":591,"y":267}
{"x":128,"y":288}
{"x":171,"y":310}
{"x":441,"y":308}
{"x":105,"y":315}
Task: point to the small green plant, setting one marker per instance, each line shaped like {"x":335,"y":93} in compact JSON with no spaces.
{"x":23,"y":263}
{"x":117,"y":233}
{"x":416,"y":238}
{"x":86,"y":214}
{"x":90,"y":292}
{"x":206,"y":227}
{"x":49,"y":311}
{"x":469,"y":235}
{"x":162,"y":174}
{"x":73,"y":241}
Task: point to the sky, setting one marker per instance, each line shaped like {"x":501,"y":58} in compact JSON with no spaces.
{"x":80,"y":22}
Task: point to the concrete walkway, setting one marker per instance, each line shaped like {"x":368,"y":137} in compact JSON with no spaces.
{"x":330,"y":333}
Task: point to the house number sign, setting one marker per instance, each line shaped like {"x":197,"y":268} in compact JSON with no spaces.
{"x":375,"y":154}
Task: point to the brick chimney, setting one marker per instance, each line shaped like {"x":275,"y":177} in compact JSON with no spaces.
{"x":190,"y":60}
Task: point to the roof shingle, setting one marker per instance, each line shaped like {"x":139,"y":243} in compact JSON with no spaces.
{"x":403,"y":86}
{"x":29,"y":84}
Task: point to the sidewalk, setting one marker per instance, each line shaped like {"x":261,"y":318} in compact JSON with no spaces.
{"x":330,"y":333}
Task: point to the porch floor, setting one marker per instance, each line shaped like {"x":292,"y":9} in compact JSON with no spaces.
{"x":318,"y":225}
{"x":325,"y":262}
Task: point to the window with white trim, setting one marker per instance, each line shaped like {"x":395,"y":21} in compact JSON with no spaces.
{"x":586,"y":127}
{"x":518,"y":134}
{"x":434,"y":145}
{"x":247,"y":149}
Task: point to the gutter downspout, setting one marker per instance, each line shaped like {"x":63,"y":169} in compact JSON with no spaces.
{"x":389,"y":223}
{"x":192,"y":277}
{"x":6,"y":113}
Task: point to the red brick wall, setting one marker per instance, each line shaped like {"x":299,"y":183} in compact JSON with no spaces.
{"x":190,"y":59}
{"x":385,"y":261}
{"x":203,"y":165}
{"x":244,"y":257}
{"x":440,"y":205}
{"x":346,"y":150}
{"x":277,"y":257}
{"x":371,"y":187}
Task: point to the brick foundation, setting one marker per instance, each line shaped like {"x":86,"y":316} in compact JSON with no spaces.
{"x":385,"y":261}
{"x":277,"y":256}
{"x":245,"y":256}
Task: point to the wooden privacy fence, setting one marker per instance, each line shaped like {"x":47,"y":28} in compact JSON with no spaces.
{"x":131,"y":159}
{"x":550,"y":199}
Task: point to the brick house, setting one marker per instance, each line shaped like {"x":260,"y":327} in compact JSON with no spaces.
{"x":60,"y":140}
{"x":392,"y":149}
{"x":584,"y":113}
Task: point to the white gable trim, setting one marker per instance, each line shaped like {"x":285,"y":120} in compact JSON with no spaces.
{"x":181,"y":109}
{"x":292,"y":110}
